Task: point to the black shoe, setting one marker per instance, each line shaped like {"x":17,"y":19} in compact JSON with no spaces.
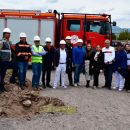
{"x":104,"y":86}
{"x":71,"y":84}
{"x":49,"y":86}
{"x":22,"y":87}
{"x":43,"y":85}
{"x":4,"y":90}
{"x":87,"y":85}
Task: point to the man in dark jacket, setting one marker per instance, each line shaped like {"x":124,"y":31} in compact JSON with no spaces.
{"x":120,"y":66}
{"x":5,"y":56}
{"x":69,"y":67}
{"x":61,"y":62}
{"x":23,"y":52}
{"x":47,"y":63}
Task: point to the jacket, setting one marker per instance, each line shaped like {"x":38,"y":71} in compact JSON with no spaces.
{"x":48,"y":58}
{"x":69,"y":48}
{"x":120,"y":63}
{"x":23,"y":51}
{"x":90,"y":57}
{"x":37,"y":53}
{"x":5,"y":51}
{"x":78,"y":55}
{"x":57,"y":57}
{"x":99,"y":62}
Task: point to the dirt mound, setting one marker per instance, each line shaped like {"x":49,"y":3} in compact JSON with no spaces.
{"x":17,"y":103}
{"x":27,"y":103}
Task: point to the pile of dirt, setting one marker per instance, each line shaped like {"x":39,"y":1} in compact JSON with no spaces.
{"x":17,"y":103}
{"x":27,"y":103}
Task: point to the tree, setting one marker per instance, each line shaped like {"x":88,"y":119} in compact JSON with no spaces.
{"x":113,"y":36}
{"x":125,"y":35}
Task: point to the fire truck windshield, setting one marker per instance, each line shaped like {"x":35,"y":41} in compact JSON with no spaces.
{"x":98,"y":27}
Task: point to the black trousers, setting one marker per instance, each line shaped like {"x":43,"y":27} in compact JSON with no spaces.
{"x":108,"y":71}
{"x":69,"y":71}
{"x":46,"y":73}
{"x":127,"y":80}
{"x":4,"y":65}
{"x":96,"y":73}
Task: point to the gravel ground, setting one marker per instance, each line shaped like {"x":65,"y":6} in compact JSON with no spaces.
{"x":99,"y":109}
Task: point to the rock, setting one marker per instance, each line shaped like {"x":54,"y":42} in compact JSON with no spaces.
{"x":27,"y":103}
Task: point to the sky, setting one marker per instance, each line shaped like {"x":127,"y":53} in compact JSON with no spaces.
{"x":119,"y":9}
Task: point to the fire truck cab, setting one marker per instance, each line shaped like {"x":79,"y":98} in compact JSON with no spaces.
{"x":92,"y":28}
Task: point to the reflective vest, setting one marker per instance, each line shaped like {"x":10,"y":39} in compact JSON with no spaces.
{"x":5,"y":51}
{"x":37,"y":59}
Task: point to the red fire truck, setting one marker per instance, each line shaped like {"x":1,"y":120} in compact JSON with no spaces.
{"x":93,"y":28}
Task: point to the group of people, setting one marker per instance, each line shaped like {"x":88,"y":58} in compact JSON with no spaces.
{"x":65,"y":59}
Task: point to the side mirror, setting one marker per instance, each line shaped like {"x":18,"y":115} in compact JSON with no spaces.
{"x":114,"y":23}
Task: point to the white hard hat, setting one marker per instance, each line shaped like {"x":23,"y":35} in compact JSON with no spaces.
{"x":36,"y":38}
{"x":48,"y":39}
{"x":62,"y":42}
{"x":22,"y":34}
{"x":6,"y":30}
{"x":68,"y":38}
{"x":80,"y":41}
{"x":107,"y":41}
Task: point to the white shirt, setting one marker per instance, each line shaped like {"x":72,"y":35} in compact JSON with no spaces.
{"x":109,"y":54}
{"x":128,"y":59}
{"x":63,"y":56}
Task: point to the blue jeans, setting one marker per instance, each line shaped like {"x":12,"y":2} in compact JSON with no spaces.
{"x":77,"y":71}
{"x":37,"y":69}
{"x":22,"y":66}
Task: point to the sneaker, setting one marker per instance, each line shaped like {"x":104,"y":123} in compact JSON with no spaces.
{"x":128,"y":91}
{"x":94,"y":87}
{"x":78,"y":84}
{"x":75,"y":85}
{"x":64,"y":86}
{"x":54,"y":87}
{"x":120,"y":89}
{"x":114,"y":88}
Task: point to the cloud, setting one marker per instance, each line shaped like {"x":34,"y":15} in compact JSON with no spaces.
{"x":118,"y":9}
{"x":52,"y":1}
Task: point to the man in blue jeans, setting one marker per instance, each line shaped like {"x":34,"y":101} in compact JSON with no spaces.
{"x":37,"y":53}
{"x":78,"y":55}
{"x":23,"y":55}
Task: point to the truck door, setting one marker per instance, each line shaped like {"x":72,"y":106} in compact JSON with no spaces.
{"x":73,"y":28}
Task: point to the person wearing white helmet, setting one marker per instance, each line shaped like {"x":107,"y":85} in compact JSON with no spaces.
{"x":5,"y":56}
{"x":109,"y":56}
{"x":69,"y":67}
{"x":61,"y":61}
{"x":23,"y":52}
{"x":48,"y":61}
{"x":37,"y":53}
{"x":78,"y":55}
